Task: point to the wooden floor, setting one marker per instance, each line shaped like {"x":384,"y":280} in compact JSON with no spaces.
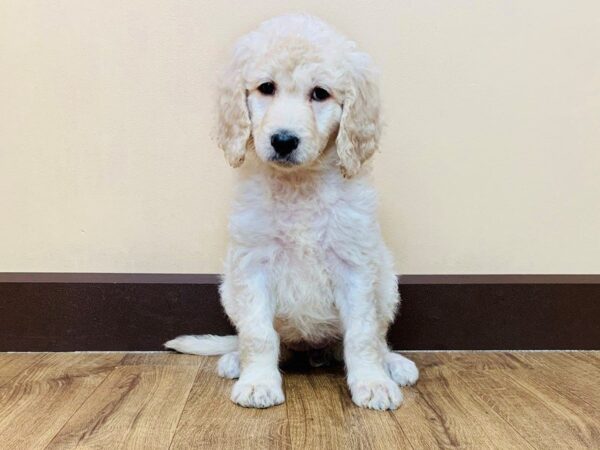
{"x":162,"y":400}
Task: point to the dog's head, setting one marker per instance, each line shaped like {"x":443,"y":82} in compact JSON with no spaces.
{"x":295,"y":86}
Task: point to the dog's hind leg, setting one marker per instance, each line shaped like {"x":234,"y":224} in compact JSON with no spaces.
{"x":229,"y":365}
{"x":402,"y":370}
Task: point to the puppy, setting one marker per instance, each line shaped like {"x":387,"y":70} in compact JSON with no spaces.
{"x":306,"y":266}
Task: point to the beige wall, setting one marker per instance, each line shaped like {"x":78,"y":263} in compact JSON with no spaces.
{"x":489,"y":164}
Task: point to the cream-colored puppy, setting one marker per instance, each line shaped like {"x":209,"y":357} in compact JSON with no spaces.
{"x":306,"y":266}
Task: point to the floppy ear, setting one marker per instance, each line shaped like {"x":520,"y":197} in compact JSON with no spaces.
{"x":360,"y":125}
{"x":233,"y":128}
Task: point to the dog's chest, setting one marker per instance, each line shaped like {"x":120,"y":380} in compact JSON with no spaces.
{"x":300,"y":229}
{"x":299,"y":237}
{"x":302,"y":284}
{"x":302,"y":279}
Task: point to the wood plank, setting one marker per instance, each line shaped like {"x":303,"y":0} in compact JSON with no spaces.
{"x":440,"y":411}
{"x":475,"y":361}
{"x":161,"y":359}
{"x":578,"y":375}
{"x":137,"y":406}
{"x":542,"y":419}
{"x":322,"y":415}
{"x":572,"y":376}
{"x":570,"y":383}
{"x":587,"y":363}
{"x":315,"y":411}
{"x":138,"y":400}
{"x":12,"y":364}
{"x":36,"y":403}
{"x":592,"y":357}
{"x":579,"y":404}
{"x":211,"y":420}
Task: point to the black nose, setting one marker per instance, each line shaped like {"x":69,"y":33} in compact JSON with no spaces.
{"x":284,"y":143}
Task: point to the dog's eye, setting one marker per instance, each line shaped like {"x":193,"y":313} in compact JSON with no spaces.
{"x":267,"y":88}
{"x":319,"y":94}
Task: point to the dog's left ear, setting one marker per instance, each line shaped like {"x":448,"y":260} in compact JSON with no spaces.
{"x":360,"y":125}
{"x":233,"y":128}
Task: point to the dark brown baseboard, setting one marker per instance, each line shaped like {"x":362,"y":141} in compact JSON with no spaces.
{"x":85,"y":312}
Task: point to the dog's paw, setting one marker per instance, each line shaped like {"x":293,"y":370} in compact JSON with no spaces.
{"x":229,"y":365}
{"x":259,"y":393}
{"x":379,"y":393}
{"x":402,"y":370}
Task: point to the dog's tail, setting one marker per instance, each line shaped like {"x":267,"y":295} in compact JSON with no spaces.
{"x":207,"y":344}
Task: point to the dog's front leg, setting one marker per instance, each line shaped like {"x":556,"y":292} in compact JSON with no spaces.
{"x":369,"y":382}
{"x":259,"y":385}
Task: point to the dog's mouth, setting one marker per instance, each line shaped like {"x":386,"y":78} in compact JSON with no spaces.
{"x":287,"y":161}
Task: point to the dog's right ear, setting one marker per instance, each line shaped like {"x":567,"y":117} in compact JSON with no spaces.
{"x":233,"y":128}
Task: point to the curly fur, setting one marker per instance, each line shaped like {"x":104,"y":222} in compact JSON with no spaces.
{"x":306,"y":266}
